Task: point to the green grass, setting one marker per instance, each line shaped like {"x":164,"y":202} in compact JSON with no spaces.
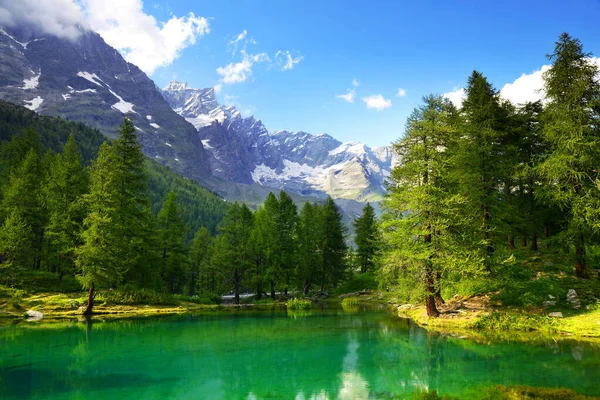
{"x":299,"y":304}
{"x":358,"y":282}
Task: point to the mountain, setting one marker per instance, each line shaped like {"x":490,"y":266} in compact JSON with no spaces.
{"x":242,"y":150}
{"x":88,"y":81}
{"x":200,"y":207}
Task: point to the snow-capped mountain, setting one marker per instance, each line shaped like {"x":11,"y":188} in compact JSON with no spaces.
{"x":242,"y":150}
{"x":88,"y":81}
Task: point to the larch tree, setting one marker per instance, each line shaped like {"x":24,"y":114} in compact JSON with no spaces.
{"x":367,"y":238}
{"x":422,"y":213}
{"x":572,"y":165}
{"x":172,"y":244}
{"x":66,"y":183}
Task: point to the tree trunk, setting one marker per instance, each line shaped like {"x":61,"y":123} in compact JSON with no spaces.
{"x":272,"y":290}
{"x":432,"y":310}
{"x":546,"y":231}
{"x":90,"y":303}
{"x":580,"y":269}
{"x":511,"y":242}
{"x":439,"y":300}
{"x":523,"y":240}
{"x":307,"y":284}
{"x":533,"y":246}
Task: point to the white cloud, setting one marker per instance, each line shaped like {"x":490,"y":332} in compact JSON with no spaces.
{"x":355,"y":82}
{"x":239,"y":72}
{"x":527,"y":87}
{"x":218,"y":87}
{"x":456,"y":96}
{"x":286,"y":61}
{"x":401,"y":92}
{"x":349,"y":97}
{"x":377,"y":102}
{"x":235,"y":42}
{"x":61,"y":18}
{"x":141,"y":39}
{"x":240,"y":37}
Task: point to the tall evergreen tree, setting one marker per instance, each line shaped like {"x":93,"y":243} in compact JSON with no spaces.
{"x":422,"y":211}
{"x":172,"y":239}
{"x":23,"y":196}
{"x":367,"y":238}
{"x":14,"y":247}
{"x":204,"y":278}
{"x":480,"y":153}
{"x":309,"y":241}
{"x":572,"y":165}
{"x":66,"y":182}
{"x":286,"y":238}
{"x":233,"y":248}
{"x":333,"y":247}
{"x":115,"y":238}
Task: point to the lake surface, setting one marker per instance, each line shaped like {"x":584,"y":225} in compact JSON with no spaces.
{"x":273,"y":355}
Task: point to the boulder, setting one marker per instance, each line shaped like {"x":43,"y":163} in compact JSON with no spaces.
{"x":406,"y":307}
{"x":555,"y":315}
{"x":548,"y":303}
{"x":33,"y":315}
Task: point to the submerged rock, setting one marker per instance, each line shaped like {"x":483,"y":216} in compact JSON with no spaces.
{"x":33,"y":315}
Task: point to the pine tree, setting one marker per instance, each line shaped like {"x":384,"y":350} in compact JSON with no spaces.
{"x":116,"y":239}
{"x":233,"y":248}
{"x":478,"y":164}
{"x":422,"y":211}
{"x":204,"y":278}
{"x":65,"y":184}
{"x":14,"y":247}
{"x":309,"y":240}
{"x":172,"y":236}
{"x":286,"y":238}
{"x":572,"y":166}
{"x":333,"y":247}
{"x":23,"y":196}
{"x":367,"y":238}
{"x":100,"y":256}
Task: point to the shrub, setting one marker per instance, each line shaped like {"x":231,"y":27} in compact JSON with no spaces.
{"x":299,"y":304}
{"x":350,"y":302}
{"x":206,"y":298}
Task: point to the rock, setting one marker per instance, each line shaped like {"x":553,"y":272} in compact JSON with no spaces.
{"x":571,"y":294}
{"x":548,"y":263}
{"x":33,"y":315}
{"x":548,"y":303}
{"x":555,"y":315}
{"x":406,"y":307}
{"x":551,"y":297}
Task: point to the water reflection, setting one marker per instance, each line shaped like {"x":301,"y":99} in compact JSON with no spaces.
{"x":321,"y":355}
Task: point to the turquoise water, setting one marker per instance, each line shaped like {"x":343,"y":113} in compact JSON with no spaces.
{"x":273,"y":355}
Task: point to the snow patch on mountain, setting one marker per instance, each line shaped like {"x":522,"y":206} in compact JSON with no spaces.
{"x":32,"y":82}
{"x":34,"y":104}
{"x":90,"y":77}
{"x":122,"y":105}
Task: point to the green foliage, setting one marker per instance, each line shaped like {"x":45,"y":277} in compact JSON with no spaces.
{"x":299,"y":304}
{"x":367,"y":238}
{"x":358,"y":282}
{"x":497,"y":321}
{"x":134,"y":296}
{"x":350,"y":302}
{"x":430,"y":395}
{"x":210,"y":298}
{"x":522,"y":392}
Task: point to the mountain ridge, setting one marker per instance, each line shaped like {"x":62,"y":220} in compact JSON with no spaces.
{"x":242,"y":150}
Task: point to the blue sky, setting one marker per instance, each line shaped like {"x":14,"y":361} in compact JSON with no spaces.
{"x":420,"y":47}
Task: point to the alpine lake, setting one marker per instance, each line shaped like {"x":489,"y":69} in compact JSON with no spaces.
{"x":326,"y":353}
